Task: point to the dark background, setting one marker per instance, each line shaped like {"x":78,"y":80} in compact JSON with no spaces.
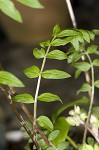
{"x":16,"y":56}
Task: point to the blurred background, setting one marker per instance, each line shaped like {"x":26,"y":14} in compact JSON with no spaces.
{"x":16,"y":44}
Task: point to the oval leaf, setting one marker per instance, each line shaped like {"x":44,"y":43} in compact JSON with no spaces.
{"x":9,"y":79}
{"x":56,"y":54}
{"x":85,"y":88}
{"x":92,"y":49}
{"x":56,"y":30}
{"x":75,"y":43}
{"x":8,"y":8}
{"x":96,"y":62}
{"x":95,"y":111}
{"x":96,"y":83}
{"x":31,"y":3}
{"x":61,"y":125}
{"x":50,"y":148}
{"x":59,"y":42}
{"x":55,"y":74}
{"x":82,"y":66}
{"x":38,"y":53}
{"x":23,"y":98}
{"x":32,"y":72}
{"x":53,"y":135}
{"x":91,"y":35}
{"x":85,"y":35}
{"x":68,"y":32}
{"x":63,"y":145}
{"x":45,"y":122}
{"x":48,"y":97}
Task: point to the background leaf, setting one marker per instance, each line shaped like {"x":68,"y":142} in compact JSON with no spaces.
{"x":84,"y":88}
{"x":31,"y":3}
{"x":82,"y":66}
{"x":96,"y":62}
{"x":32,"y":72}
{"x":96,"y":83}
{"x":56,"y":54}
{"x":53,"y":135}
{"x":8,"y":8}
{"x":9,"y":79}
{"x":55,"y":74}
{"x":61,"y":125}
{"x":48,"y":97}
{"x":81,"y":101}
{"x":23,"y":98}
{"x":63,"y":145}
{"x":95,"y":111}
{"x":45,"y":122}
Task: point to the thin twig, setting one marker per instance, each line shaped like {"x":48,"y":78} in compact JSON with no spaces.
{"x":28,"y":114}
{"x":74,"y":22}
{"x":71,"y":12}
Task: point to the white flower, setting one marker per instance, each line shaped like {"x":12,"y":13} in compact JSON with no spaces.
{"x":77,"y":109}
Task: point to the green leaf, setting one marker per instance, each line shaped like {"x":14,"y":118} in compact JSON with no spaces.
{"x":84,"y":88}
{"x":82,"y":66}
{"x":48,"y":97}
{"x":75,"y":56}
{"x":77,"y":73}
{"x":96,"y":84}
{"x":91,"y":35}
{"x":56,"y":30}
{"x":31,"y":3}
{"x":45,"y":122}
{"x":63,"y":145}
{"x":81,"y":101}
{"x":96,"y":62}
{"x":23,"y":98}
{"x":56,"y":54}
{"x":42,"y":144}
{"x":38,"y":53}
{"x":96,"y":32}
{"x":59,"y":42}
{"x":92,"y":49}
{"x":50,"y":148}
{"x":8,"y":8}
{"x":55,"y":74}
{"x":61,"y":125}
{"x":85,"y":35}
{"x":90,"y":141}
{"x":75,"y":43}
{"x":68,"y":32}
{"x":45,"y":44}
{"x":9,"y":79}
{"x":32,"y":72}
{"x":53,"y":135}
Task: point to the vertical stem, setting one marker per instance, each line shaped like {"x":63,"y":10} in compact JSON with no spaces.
{"x":36,"y":94}
{"x":87,"y":76}
{"x":91,"y":98}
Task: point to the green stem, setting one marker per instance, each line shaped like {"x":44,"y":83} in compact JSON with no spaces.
{"x":37,"y":91}
{"x":92,"y":96}
{"x":72,"y":142}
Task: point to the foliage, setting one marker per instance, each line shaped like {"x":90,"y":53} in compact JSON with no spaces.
{"x":13,"y":12}
{"x":54,"y":134}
